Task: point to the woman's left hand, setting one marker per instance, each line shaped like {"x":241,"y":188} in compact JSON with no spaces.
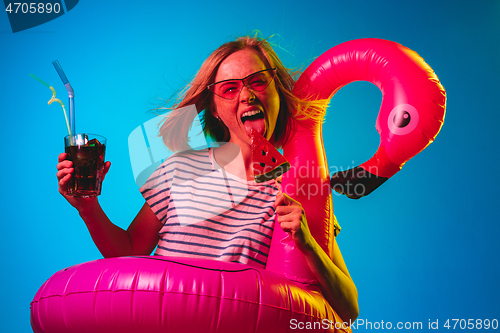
{"x":292,"y":219}
{"x":331,"y":273}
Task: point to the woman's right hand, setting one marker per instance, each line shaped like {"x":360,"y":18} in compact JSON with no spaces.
{"x":64,"y":171}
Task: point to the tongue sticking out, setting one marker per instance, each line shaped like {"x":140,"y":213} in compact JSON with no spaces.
{"x":254,"y":120}
{"x":257,"y":125}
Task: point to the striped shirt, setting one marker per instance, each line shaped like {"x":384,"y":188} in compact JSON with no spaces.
{"x":209,"y":213}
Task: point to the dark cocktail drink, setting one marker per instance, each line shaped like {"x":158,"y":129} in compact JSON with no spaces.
{"x":86,"y":151}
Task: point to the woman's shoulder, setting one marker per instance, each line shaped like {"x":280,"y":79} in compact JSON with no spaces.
{"x":180,"y":162}
{"x":198,"y":156}
{"x":191,"y":153}
{"x":187,"y":159}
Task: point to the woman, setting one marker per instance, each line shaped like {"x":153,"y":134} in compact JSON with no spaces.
{"x":241,"y":87}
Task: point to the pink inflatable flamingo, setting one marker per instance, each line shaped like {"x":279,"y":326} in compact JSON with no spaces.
{"x":163,"y":294}
{"x":410,"y":117}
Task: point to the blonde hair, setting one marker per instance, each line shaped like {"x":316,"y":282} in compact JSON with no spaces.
{"x":175,"y":127}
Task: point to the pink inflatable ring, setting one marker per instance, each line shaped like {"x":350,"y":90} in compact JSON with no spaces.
{"x":164,"y":294}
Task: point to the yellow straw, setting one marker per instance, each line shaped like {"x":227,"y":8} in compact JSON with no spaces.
{"x":54,"y":99}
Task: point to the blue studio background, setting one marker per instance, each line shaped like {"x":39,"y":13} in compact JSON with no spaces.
{"x":422,"y":247}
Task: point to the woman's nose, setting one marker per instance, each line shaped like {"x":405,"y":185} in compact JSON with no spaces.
{"x":247,"y":95}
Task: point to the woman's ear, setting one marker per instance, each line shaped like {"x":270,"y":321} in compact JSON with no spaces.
{"x":215,"y":115}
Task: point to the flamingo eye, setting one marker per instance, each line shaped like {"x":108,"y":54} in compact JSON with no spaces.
{"x":403,"y":119}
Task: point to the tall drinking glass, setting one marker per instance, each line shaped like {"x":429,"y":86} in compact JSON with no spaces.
{"x":86,"y":151}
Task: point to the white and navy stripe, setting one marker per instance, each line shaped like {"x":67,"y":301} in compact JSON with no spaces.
{"x":209,"y":213}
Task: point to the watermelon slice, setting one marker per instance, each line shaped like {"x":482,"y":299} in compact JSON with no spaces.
{"x":268,"y":163}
